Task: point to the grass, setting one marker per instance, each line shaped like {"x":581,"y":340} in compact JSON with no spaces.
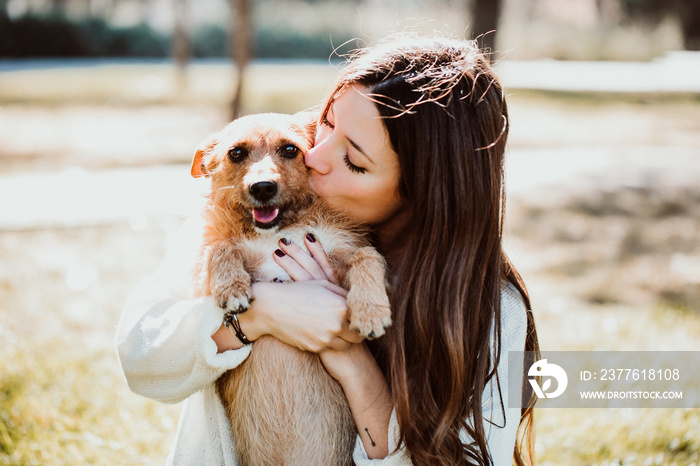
{"x":611,"y":263}
{"x":617,"y":437}
{"x":63,"y":399}
{"x":60,"y":407}
{"x":628,"y":246}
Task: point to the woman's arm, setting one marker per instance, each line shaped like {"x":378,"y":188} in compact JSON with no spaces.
{"x":165,"y":337}
{"x":351,"y":364}
{"x":367,"y":393}
{"x":165,"y":345}
{"x":172,"y":345}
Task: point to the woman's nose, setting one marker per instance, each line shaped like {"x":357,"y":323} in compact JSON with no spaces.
{"x":316,"y":160}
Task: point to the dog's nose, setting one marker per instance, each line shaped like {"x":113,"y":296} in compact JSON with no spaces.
{"x":263,"y":190}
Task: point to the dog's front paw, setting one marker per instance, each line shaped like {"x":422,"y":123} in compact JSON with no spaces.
{"x":369,"y":316}
{"x":234,"y":298}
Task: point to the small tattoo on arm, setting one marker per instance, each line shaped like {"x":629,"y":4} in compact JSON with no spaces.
{"x":370,"y":437}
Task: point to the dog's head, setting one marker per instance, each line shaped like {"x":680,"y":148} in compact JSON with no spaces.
{"x":256,"y":165}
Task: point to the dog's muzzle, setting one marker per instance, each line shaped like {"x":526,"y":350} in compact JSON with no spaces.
{"x":266,"y":215}
{"x":263,"y":191}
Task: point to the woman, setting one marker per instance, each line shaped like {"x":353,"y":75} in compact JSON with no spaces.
{"x":411,"y":143}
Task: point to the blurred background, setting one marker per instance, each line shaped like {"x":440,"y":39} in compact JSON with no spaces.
{"x":102,"y":103}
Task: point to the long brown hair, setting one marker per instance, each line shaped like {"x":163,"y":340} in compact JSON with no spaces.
{"x":447,"y":120}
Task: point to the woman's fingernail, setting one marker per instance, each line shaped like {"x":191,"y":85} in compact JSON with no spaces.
{"x":279,"y":253}
{"x":285,"y":241}
{"x":310,"y":237}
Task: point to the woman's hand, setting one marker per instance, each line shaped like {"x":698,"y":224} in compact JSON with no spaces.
{"x":302,"y":265}
{"x":310,"y":315}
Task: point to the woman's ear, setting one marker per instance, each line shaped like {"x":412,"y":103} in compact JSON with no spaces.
{"x":204,"y":161}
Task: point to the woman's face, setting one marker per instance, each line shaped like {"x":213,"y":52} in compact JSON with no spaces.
{"x":353,"y":165}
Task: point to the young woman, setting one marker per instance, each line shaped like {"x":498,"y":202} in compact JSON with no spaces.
{"x":411,"y":142}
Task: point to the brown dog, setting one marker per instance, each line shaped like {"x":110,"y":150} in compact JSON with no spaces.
{"x":283,"y":406}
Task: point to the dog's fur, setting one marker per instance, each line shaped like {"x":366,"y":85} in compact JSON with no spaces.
{"x":283,"y":406}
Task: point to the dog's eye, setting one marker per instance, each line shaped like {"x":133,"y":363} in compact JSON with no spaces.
{"x":237,"y":154}
{"x":290,"y":151}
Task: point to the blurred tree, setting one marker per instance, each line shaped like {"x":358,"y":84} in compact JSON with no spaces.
{"x":181,"y":41}
{"x":241,"y":34}
{"x":58,"y":7}
{"x":484,"y":16}
{"x":654,"y":11}
{"x":3,"y":11}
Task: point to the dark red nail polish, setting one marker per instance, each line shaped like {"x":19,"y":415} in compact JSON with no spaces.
{"x":279,"y":253}
{"x":310,"y":237}
{"x":286,"y":242}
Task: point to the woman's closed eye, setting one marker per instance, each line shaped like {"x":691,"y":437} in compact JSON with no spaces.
{"x":351,"y":166}
{"x":346,"y":158}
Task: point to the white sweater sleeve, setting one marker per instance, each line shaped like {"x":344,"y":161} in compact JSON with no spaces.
{"x":164,"y":335}
{"x":500,"y":435}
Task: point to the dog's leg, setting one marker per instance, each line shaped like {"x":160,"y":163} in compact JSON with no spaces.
{"x":368,"y":303}
{"x":229,"y":281}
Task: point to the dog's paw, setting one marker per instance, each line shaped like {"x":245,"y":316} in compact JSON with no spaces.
{"x":234,"y":298}
{"x":369,"y":317}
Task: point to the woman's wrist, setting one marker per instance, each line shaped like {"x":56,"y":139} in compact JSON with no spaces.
{"x":225,"y":340}
{"x":252,"y":324}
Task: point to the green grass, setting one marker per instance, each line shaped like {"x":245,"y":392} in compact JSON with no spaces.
{"x":63,"y":399}
{"x":617,"y":436}
{"x":60,"y":405}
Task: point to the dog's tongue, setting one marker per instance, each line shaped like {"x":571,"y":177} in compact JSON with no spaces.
{"x":265,"y":215}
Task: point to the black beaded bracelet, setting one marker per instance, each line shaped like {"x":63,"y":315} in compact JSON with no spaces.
{"x":231,"y":322}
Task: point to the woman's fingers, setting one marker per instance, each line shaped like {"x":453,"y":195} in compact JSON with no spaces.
{"x":350,"y":336}
{"x":290,"y":265}
{"x":341,"y":342}
{"x":338,"y":344}
{"x":320,"y":256}
{"x":335,"y":288}
{"x":298,"y":263}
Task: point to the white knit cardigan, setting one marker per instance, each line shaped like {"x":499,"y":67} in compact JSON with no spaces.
{"x":167,"y":354}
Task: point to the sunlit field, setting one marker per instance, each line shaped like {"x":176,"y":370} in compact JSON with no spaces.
{"x":603,"y":222}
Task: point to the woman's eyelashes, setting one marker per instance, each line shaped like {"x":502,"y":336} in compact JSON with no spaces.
{"x":346,"y":159}
{"x":351,"y":166}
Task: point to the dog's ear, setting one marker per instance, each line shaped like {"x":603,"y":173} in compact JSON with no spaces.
{"x":203,"y":162}
{"x":308,"y":121}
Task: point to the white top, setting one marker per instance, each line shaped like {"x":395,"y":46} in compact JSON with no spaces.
{"x":167,"y":354}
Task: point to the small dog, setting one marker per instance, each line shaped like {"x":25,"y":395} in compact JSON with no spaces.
{"x":283,"y":406}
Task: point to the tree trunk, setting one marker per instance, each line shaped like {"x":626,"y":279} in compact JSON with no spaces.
{"x":3,"y":11}
{"x":690,"y":24}
{"x":484,"y":19}
{"x":181,"y":43}
{"x":241,"y":39}
{"x":58,"y":8}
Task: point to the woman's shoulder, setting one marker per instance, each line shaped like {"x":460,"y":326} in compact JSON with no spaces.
{"x":511,"y":297}
{"x":513,"y":313}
